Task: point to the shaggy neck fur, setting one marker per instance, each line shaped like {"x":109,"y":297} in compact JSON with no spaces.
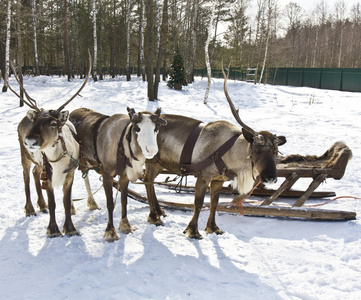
{"x":136,"y":170}
{"x":55,"y":150}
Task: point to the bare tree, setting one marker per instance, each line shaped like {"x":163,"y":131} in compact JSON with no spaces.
{"x":150,"y":45}
{"x":36,"y":56}
{"x":294,"y":14}
{"x":206,"y":50}
{"x":141,"y":43}
{"x":7,"y":46}
{"x":95,"y":40}
{"x":340,"y":10}
{"x":128,"y":39}
{"x":271,"y":7}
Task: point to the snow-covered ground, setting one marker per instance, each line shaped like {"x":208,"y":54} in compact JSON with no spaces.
{"x":256,"y":258}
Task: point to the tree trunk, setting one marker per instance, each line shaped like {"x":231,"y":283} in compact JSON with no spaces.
{"x":141,"y":50}
{"x":33,"y":8}
{"x":7,"y":47}
{"x":150,"y":51}
{"x":95,"y":58}
{"x":19,"y":53}
{"x":66,"y":41}
{"x":209,"y":70}
{"x":157,"y":55}
{"x":128,"y":40}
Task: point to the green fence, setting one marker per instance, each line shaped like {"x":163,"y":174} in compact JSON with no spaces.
{"x":342,"y":79}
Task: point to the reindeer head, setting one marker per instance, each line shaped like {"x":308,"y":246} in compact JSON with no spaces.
{"x":263,"y":144}
{"x":44,"y":128}
{"x":146,"y":127}
{"x":41,"y":128}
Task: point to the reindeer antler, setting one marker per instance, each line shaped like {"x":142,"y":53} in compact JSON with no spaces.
{"x":84,"y":83}
{"x":30,"y":102}
{"x":235,"y":111}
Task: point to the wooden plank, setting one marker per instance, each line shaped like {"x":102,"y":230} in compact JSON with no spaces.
{"x":256,"y":192}
{"x":251,"y":210}
{"x":314,"y":185}
{"x":290,"y":180}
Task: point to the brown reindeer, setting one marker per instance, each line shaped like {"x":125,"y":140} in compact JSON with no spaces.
{"x":117,"y":145}
{"x":214,"y":153}
{"x":47,"y":140}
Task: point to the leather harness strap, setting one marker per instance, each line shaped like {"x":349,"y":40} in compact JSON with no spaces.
{"x":122,"y":159}
{"x":185,"y":165}
{"x":96,"y":131}
{"x":186,"y":156}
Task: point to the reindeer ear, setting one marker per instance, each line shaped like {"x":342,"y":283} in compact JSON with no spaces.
{"x":131,"y":112}
{"x":63,"y":116}
{"x":31,"y":114}
{"x":247,"y":135}
{"x":281,"y":140}
{"x":162,"y":122}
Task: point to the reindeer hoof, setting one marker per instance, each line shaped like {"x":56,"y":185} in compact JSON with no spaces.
{"x":29,"y":211}
{"x":124,"y":226}
{"x":215,"y":229}
{"x":44,"y":210}
{"x":193,"y":234}
{"x":70,"y":231}
{"x":53,"y":233}
{"x":29,"y":214}
{"x":92,"y":205}
{"x":111,"y":235}
{"x":152,"y":219}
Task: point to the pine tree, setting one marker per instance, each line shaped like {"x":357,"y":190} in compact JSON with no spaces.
{"x":177,"y":73}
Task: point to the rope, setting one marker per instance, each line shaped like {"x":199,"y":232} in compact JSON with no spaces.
{"x":85,"y":173}
{"x":239,"y":201}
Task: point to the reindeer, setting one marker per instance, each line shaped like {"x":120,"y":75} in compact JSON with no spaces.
{"x":215,"y":152}
{"x":117,"y":145}
{"x":47,"y":140}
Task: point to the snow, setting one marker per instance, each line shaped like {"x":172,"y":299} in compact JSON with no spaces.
{"x":256,"y":258}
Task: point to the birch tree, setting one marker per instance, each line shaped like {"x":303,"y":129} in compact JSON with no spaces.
{"x":141,"y":44}
{"x":340,"y":9}
{"x":66,"y":40}
{"x":209,"y":70}
{"x":36,"y":56}
{"x":7,"y":46}
{"x":128,"y":40}
{"x":95,"y":40}
{"x":150,"y":45}
{"x":270,"y":10}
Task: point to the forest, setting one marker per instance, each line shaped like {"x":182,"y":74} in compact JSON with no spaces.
{"x":140,"y":36}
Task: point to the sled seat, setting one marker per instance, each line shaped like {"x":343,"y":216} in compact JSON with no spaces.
{"x":332,"y":164}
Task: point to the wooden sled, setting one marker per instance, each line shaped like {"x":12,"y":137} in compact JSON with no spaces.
{"x":332,"y":164}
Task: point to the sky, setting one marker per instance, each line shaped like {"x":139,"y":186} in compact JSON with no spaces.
{"x":310,"y":5}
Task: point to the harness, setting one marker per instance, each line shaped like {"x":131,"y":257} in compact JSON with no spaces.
{"x":185,"y":165}
{"x":96,"y":131}
{"x":122,"y":160}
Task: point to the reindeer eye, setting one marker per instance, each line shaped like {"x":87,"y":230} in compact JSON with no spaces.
{"x":53,"y":124}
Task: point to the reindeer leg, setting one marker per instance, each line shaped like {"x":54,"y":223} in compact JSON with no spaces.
{"x":26,"y":163}
{"x":110,"y":234}
{"x":68,"y":228}
{"x":92,"y":205}
{"x":124,"y":225}
{"x":53,"y":229}
{"x":41,"y":202}
{"x":155,"y":211}
{"x":211,"y":227}
{"x":201,"y":188}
